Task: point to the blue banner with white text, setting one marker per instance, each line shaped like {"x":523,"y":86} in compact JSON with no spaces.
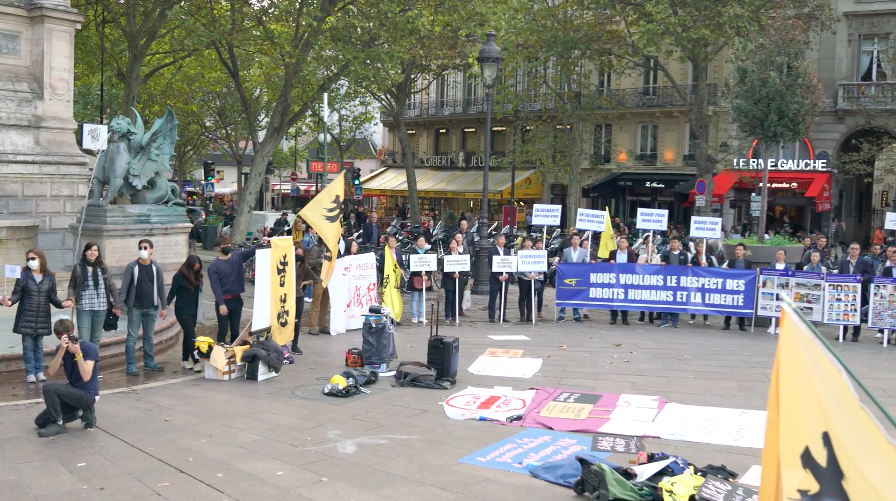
{"x":671,"y":289}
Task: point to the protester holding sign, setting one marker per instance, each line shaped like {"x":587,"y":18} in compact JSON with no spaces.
{"x":574,"y":254}
{"x":853,"y":264}
{"x":673,"y":256}
{"x":738,"y":263}
{"x":539,"y":289}
{"x":452,"y":282}
{"x":497,"y":282}
{"x":781,"y":261}
{"x":525,"y":281}
{"x":700,"y":260}
{"x":418,"y":281}
{"x":623,"y":254}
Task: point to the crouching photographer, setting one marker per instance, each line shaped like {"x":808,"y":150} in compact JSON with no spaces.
{"x":68,"y":402}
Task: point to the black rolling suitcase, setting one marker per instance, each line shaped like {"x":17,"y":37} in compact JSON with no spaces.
{"x":442,"y":353}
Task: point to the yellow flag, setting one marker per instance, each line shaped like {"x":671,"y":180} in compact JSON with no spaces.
{"x":607,"y":244}
{"x":821,"y":442}
{"x":324,"y":214}
{"x":392,"y":284}
{"x":283,"y":289}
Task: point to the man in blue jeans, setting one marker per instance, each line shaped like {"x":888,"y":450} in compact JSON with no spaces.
{"x":143,"y":292}
{"x":673,"y":256}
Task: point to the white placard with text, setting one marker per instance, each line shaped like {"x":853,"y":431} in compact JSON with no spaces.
{"x":94,"y":136}
{"x":532,"y":261}
{"x":591,"y":220}
{"x":653,"y":219}
{"x":706,"y":227}
{"x":503,"y":264}
{"x":546,"y":215}
{"x":424,"y":262}
{"x":890,"y":223}
{"x":12,"y":271}
{"x":453,"y":263}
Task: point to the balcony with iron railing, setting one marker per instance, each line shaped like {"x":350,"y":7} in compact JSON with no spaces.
{"x":859,"y":95}
{"x":639,"y":97}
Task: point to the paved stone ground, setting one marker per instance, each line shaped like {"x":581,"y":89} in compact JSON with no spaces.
{"x":198,"y":439}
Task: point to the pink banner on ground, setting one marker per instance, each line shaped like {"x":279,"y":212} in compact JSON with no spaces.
{"x":624,"y":422}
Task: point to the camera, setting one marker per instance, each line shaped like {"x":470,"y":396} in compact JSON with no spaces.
{"x":72,"y":338}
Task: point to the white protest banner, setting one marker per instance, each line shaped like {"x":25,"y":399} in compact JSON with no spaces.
{"x":12,"y":271}
{"x":353,"y":293}
{"x":453,"y":263}
{"x":423,"y":262}
{"x":503,"y":264}
{"x":591,"y":220}
{"x":532,"y":261}
{"x":890,"y":223}
{"x":261,"y":304}
{"x":653,"y":219}
{"x":505,"y":367}
{"x":546,"y":215}
{"x":706,"y":227}
{"x":497,"y":403}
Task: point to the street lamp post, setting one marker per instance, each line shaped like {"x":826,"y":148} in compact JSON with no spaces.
{"x":489,"y":58}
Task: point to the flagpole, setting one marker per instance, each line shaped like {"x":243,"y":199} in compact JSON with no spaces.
{"x":456,"y":304}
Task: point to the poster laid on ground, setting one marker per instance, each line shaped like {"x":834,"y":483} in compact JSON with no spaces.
{"x":352,"y":290}
{"x":808,"y":294}
{"x":492,"y":403}
{"x":821,"y":434}
{"x":774,"y":287}
{"x":843,"y":299}
{"x":505,"y":367}
{"x":529,"y":447}
{"x":711,"y":425}
{"x":882,"y":310}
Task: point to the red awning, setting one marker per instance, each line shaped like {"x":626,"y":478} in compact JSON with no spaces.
{"x":817,"y":185}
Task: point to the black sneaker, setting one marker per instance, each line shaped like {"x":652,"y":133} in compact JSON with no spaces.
{"x":325,"y":332}
{"x":89,"y":418}
{"x":586,"y":317}
{"x":726,"y":327}
{"x":612,"y":322}
{"x":855,"y":339}
{"x":295,"y":350}
{"x":625,"y":322}
{"x":133,"y":373}
{"x":52,"y":430}
{"x":742,"y":329}
{"x":153,"y":367}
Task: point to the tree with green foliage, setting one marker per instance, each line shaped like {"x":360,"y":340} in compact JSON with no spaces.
{"x":700,"y":32}
{"x":425,"y":39}
{"x":775,"y":96}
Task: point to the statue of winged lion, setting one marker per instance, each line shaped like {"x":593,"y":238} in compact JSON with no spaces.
{"x":135,"y":165}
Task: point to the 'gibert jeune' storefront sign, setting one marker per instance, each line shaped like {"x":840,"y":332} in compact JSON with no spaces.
{"x":785,"y":165}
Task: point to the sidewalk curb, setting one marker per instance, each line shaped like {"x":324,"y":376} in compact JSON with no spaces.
{"x":116,"y":390}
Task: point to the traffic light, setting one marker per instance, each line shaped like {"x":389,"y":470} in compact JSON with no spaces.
{"x":356,"y":176}
{"x":208,"y":170}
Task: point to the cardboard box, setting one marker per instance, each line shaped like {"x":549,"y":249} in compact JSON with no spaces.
{"x":259,"y":371}
{"x":232,"y":370}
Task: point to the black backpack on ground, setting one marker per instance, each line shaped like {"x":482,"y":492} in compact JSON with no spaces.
{"x":420,"y":375}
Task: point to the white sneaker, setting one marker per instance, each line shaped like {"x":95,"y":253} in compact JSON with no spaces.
{"x":414,"y":320}
{"x":691,"y":322}
{"x":308,"y":300}
{"x":30,"y":378}
{"x":187,"y":364}
{"x":197,"y":367}
{"x":41,"y":377}
{"x":706,"y":322}
{"x":879,"y":335}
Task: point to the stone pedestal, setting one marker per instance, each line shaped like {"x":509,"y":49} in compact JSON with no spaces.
{"x":42,"y":172}
{"x":118,"y":229}
{"x":17,"y":236}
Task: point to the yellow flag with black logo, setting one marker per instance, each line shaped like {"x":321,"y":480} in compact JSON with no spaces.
{"x":283,"y":289}
{"x":392,"y":284}
{"x":324,"y":214}
{"x":607,"y":244}
{"x":821,"y":441}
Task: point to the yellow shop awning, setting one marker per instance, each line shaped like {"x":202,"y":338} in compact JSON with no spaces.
{"x":443,"y":183}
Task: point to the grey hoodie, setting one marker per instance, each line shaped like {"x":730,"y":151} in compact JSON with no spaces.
{"x":129,"y":278}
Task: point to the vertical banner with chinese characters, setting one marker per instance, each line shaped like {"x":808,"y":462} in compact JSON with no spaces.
{"x":352,"y":290}
{"x":283,"y":289}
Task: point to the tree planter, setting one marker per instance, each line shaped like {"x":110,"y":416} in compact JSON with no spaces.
{"x":763,"y":256}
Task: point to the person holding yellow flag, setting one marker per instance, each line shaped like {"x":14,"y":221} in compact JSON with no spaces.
{"x":393,"y":265}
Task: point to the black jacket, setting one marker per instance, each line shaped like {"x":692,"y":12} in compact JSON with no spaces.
{"x":863,"y":267}
{"x":33,"y":316}
{"x":681,"y":259}
{"x":76,"y":286}
{"x":367,"y":235}
{"x":352,"y":227}
{"x":187,"y":298}
{"x":449,"y":283}
{"x":266,"y":351}
{"x":748,"y":265}
{"x":495,"y":277}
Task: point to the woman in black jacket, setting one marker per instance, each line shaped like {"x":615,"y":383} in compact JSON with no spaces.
{"x":36,"y":291}
{"x":93,"y":292}
{"x":186,"y":288}
{"x":453,"y":283}
{"x":697,"y":260}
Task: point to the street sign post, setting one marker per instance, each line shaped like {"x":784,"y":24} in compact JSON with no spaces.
{"x":359,"y":192}
{"x":209,"y":188}
{"x":700,"y":187}
{"x":293,"y":176}
{"x":700,"y":201}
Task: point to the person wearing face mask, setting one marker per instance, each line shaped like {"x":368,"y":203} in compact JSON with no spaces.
{"x":35,"y":290}
{"x":304,"y":278}
{"x":92,"y":292}
{"x":416,"y":282}
{"x":226,"y":277}
{"x":143,"y":291}
{"x":186,"y":288}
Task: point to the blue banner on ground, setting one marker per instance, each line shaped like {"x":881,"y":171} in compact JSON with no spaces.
{"x":671,"y":289}
{"x":530,"y":447}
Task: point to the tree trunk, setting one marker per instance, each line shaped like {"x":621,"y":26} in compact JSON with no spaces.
{"x":763,"y":206}
{"x":574,"y":183}
{"x":698,"y":117}
{"x":249,"y":195}
{"x":132,"y":81}
{"x":408,"y":160}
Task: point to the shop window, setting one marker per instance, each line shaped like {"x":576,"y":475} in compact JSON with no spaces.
{"x":602,"y":147}
{"x":442,"y":146}
{"x":648,"y":134}
{"x":499,"y":140}
{"x":871,"y":58}
{"x":469,"y":140}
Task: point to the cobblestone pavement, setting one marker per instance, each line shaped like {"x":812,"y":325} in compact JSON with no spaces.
{"x":176,"y":437}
